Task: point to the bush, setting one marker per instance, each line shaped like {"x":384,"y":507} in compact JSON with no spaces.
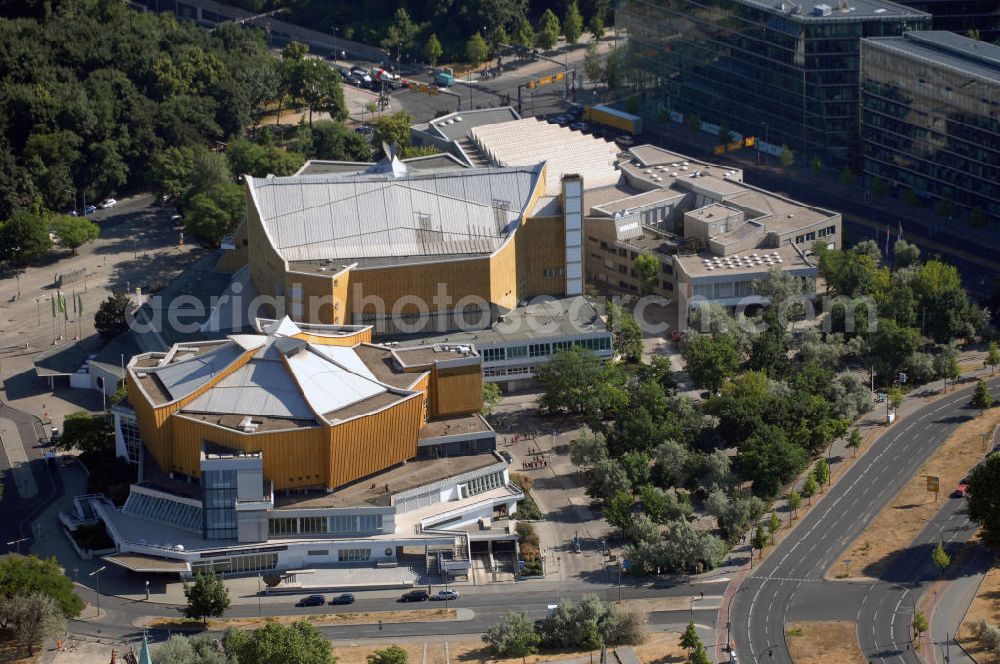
{"x":527,"y":508}
{"x":527,"y":534}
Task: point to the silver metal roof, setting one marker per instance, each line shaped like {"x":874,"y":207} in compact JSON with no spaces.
{"x":369,"y":216}
{"x":183,"y":377}
{"x":260,"y":387}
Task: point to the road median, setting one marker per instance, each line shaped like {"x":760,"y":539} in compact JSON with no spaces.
{"x":317,"y":619}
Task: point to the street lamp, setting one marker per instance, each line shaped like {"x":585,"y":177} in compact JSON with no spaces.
{"x":97,"y":574}
{"x":17,"y":543}
{"x":334,"y":28}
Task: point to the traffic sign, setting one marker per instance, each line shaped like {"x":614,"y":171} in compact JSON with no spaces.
{"x":933,"y":483}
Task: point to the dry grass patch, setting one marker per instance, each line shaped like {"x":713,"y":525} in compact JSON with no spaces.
{"x":661,"y":648}
{"x":15,"y":652}
{"x":319,"y":620}
{"x":358,"y":654}
{"x":986,"y":606}
{"x":899,"y":522}
{"x":822,"y":642}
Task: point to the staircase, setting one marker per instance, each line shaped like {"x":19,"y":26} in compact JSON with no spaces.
{"x":472,"y":151}
{"x":461,"y":547}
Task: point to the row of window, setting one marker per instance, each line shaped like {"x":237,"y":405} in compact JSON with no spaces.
{"x":258,"y":562}
{"x":507,"y":371}
{"x":553,"y":272}
{"x":485,"y":483}
{"x":163,"y":510}
{"x":807,"y":237}
{"x":542,"y":349}
{"x":354,"y":555}
{"x":133,"y":441}
{"x":353,"y":524}
{"x":829,"y":230}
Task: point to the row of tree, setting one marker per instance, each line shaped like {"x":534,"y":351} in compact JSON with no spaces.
{"x":36,"y":599}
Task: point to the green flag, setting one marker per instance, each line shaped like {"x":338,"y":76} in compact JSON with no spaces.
{"x":53,"y":299}
{"x":62,"y":305}
{"x":73,"y":300}
{"x":79,"y":303}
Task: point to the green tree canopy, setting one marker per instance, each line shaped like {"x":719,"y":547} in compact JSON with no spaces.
{"x":984,"y":499}
{"x":391,"y":655}
{"x":110,"y":319}
{"x":23,"y":575}
{"x":770,"y":459}
{"x":392,"y":129}
{"x":337,"y":142}
{"x":300,"y":642}
{"x":572,"y":26}
{"x":24,"y":237}
{"x":216,"y":212}
{"x":432,"y":49}
{"x":32,"y":617}
{"x":576,"y":381}
{"x":515,"y":636}
{"x":74,"y":232}
{"x":647,"y":268}
{"x":476,"y":50}
{"x":208,"y":597}
{"x":548,"y":30}
{"x":709,"y":360}
{"x":88,"y":433}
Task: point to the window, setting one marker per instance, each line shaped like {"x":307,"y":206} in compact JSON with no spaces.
{"x":622,"y":269}
{"x":517,"y":351}
{"x":354,"y":555}
{"x":668,"y":286}
{"x":538,"y":350}
{"x":493,"y":354}
{"x":484,"y":483}
{"x":668,"y":269}
{"x":552,"y":272}
{"x":130,"y":434}
{"x":314,"y":525}
{"x":219,"y":503}
{"x":623,"y":252}
{"x":318,"y":552}
{"x":283,"y":526}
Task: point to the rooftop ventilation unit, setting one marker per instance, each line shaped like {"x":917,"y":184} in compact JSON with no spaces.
{"x":823,"y":10}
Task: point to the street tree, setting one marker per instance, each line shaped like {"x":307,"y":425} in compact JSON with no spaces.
{"x":773,"y":523}
{"x":197,"y":649}
{"x":854,"y":440}
{"x":593,"y":64}
{"x":794,"y":502}
{"x":769,"y":459}
{"x":88,"y":433}
{"x":433,"y":50}
{"x":906,"y":253}
{"x":577,"y":382}
{"x":335,"y":141}
{"x":895,"y":398}
{"x":626,"y":335}
{"x":821,"y":471}
{"x":993,"y":357}
{"x":572,"y":26}
{"x":275,"y":643}
{"x":216,"y":212}
{"x":24,"y":237}
{"x":74,"y":232}
{"x":25,"y":575}
{"x":491,"y":398}
{"x":940,"y":558}
{"x":809,"y":488}
{"x":392,"y":129}
{"x":596,"y":27}
{"x":690,"y":640}
{"x":709,"y":360}
{"x":110,"y":319}
{"x":946,"y":365}
{"x":401,"y":32}
{"x":476,"y":50}
{"x":547,"y":34}
{"x":983,"y":499}
{"x":607,"y":479}
{"x":207,"y":598}
{"x":588,"y":449}
{"x":699,"y":656}
{"x":391,"y":655}
{"x":515,"y":636}
{"x":524,"y":34}
{"x":920,"y":624}
{"x":32,"y":617}
{"x":760,"y":538}
{"x":982,"y":398}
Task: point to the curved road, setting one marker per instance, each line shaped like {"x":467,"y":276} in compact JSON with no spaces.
{"x":789,"y":585}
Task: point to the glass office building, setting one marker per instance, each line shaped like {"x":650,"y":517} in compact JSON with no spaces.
{"x":783,"y":71}
{"x":931,"y":120}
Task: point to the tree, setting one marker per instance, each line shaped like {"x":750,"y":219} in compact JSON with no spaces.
{"x":607,"y":479}
{"x":854,"y":440}
{"x":647,"y":268}
{"x":769,"y":459}
{"x":773,"y":523}
{"x":664,"y":506}
{"x":294,"y":50}
{"x":576,"y":381}
{"x":335,"y":141}
{"x":618,"y":510}
{"x":207,"y":598}
{"x":906,"y":254}
{"x":87,"y":433}
{"x":896,"y":397}
{"x":983,"y":499}
{"x":709,"y":361}
{"x":787,"y":156}
{"x":572,"y":26}
{"x":596,"y":27}
{"x":392,"y":129}
{"x":491,"y":397}
{"x":216,"y":212}
{"x":432,"y":49}
{"x":940,"y":558}
{"x":548,"y":30}
{"x":690,"y":640}
{"x":74,"y":232}
{"x":110,"y":319}
{"x":641,"y":528}
{"x":809,"y":488}
{"x":196,"y":649}
{"x":26,"y":575}
{"x":476,"y":50}
{"x":524,"y":34}
{"x":275,"y":643}
{"x":920,"y":624}
{"x":588,"y":449}
{"x":401,"y":32}
{"x":821,"y":471}
{"x":516,"y":636}
{"x":32,"y":618}
{"x":391,"y":655}
{"x":760,"y":538}
{"x":699,"y":656}
{"x":636,"y":467}
{"x":993,"y":357}
{"x":982,"y":398}
{"x":626,"y":333}
{"x":318,"y":85}
{"x":769,"y":351}
{"x":593,"y":64}
{"x":24,"y":237}
{"x":794,"y":502}
{"x":946,"y":365}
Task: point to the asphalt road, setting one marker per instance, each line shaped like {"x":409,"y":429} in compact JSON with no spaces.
{"x":789,"y":585}
{"x":16,"y":513}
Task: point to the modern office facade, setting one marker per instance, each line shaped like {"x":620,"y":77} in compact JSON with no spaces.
{"x":931,"y":120}
{"x":783,"y":71}
{"x":980,"y":17}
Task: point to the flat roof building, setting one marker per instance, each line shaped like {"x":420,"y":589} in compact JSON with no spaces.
{"x":930,"y":114}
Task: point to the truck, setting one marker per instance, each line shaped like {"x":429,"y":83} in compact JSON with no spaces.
{"x":612,"y":117}
{"x":444,"y":77}
{"x":380,"y":75}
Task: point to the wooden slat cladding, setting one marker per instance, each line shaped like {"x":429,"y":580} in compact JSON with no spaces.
{"x":368,"y":444}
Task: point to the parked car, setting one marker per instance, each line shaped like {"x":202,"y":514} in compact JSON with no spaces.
{"x":507,"y":457}
{"x":415,"y":596}
{"x":56,"y":436}
{"x":365,"y":130}
{"x":312,"y":600}
{"x":108,"y":203}
{"x":90,"y":209}
{"x":625,"y":141}
{"x":442,"y":595}
{"x":579,"y":126}
{"x":343,"y":598}
{"x":960,"y":490}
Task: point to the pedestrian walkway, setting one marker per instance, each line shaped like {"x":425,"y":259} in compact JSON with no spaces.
{"x":17,"y":457}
